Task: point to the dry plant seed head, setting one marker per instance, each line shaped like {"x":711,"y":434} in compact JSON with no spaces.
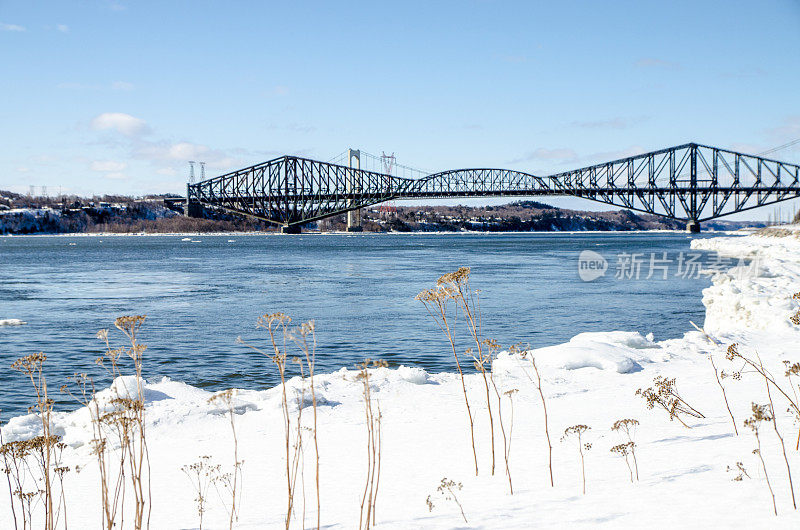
{"x":129,"y":325}
{"x":626,"y":425}
{"x":622,"y":449}
{"x":574,"y":430}
{"x":447,"y":489}
{"x":266,"y":321}
{"x":793,"y":369}
{"x":491,"y":344}
{"x":30,"y":363}
{"x":458,"y":278}
{"x":740,"y":471}
{"x":665,"y":394}
{"x":732,"y":352}
{"x":760,"y":413}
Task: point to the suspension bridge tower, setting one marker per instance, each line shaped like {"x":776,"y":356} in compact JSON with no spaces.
{"x":353,"y":186}
{"x":387,"y":209}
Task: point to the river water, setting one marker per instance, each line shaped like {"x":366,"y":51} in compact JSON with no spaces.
{"x":200,"y":295}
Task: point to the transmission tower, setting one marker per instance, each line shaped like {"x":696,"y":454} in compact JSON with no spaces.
{"x":202,"y":170}
{"x":191,"y":171}
{"x":387,"y":209}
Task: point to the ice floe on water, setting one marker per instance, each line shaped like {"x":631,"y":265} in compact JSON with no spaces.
{"x":12,"y":322}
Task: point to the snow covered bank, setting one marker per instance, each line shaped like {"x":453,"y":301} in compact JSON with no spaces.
{"x":591,"y":380}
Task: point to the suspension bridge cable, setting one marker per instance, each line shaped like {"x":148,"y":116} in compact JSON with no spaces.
{"x":780,"y":147}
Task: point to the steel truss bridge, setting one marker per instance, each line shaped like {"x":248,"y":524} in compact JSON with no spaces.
{"x":690,"y":182}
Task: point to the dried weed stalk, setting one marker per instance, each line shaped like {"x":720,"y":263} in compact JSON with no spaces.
{"x":469,"y":303}
{"x":231,"y":483}
{"x":761,"y":413}
{"x":305,"y":337}
{"x":33,"y":367}
{"x":369,"y":499}
{"x":522,"y":351}
{"x":202,"y":474}
{"x":510,"y":394}
{"x":624,"y":450}
{"x":627,"y":427}
{"x":755,"y":365}
{"x":665,"y":394}
{"x":437,"y":302}
{"x":447,"y":489}
{"x":577,"y":431}
{"x":740,"y":471}
{"x":724,"y":394}
{"x":277,"y":326}
{"x":484,"y":360}
{"x":123,"y":418}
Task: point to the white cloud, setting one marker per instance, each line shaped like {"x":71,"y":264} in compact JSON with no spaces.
{"x":122,"y":123}
{"x":63,"y":28}
{"x":168,"y":157}
{"x":122,"y":85}
{"x":160,"y":152}
{"x":23,"y":169}
{"x":107,"y":165}
{"x":10,"y":27}
{"x":186,"y":151}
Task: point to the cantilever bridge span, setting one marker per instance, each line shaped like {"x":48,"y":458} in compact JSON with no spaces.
{"x":690,"y":182}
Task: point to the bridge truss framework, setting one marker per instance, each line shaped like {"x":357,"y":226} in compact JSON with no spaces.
{"x":690,"y":182}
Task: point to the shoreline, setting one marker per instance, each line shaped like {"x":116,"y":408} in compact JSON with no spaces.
{"x":741,"y":231}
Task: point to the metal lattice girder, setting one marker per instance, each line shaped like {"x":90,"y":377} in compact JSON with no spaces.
{"x":691,"y":181}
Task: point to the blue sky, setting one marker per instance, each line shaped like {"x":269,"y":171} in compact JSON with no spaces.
{"x":117,"y":96}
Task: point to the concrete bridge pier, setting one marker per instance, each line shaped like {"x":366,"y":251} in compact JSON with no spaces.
{"x":693,"y":226}
{"x":353,"y":216}
{"x":290,"y":229}
{"x":192,"y":208}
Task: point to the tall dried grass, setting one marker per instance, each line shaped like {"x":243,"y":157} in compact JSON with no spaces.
{"x":369,"y":499}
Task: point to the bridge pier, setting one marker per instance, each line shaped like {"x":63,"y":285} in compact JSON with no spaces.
{"x":291,"y":229}
{"x":193,"y":209}
{"x":693,"y":227}
{"x":354,"y":221}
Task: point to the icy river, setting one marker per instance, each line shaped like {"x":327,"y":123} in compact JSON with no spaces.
{"x":202,"y":292}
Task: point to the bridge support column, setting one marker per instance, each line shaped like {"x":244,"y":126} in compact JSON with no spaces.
{"x":290,"y":229}
{"x":192,"y":208}
{"x":353,"y":216}
{"x":693,"y":227}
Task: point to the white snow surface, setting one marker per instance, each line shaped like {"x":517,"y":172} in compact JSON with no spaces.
{"x":589,"y":380}
{"x":12,"y":322}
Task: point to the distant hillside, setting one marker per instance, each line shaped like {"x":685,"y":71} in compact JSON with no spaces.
{"x":20,"y":214}
{"x":520,"y":216}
